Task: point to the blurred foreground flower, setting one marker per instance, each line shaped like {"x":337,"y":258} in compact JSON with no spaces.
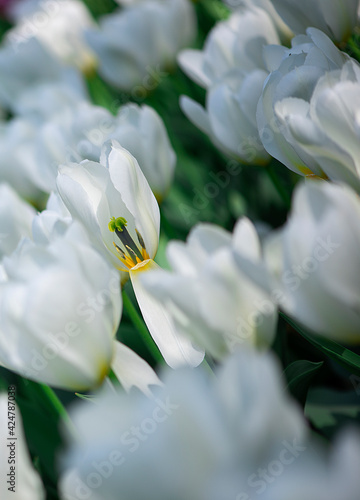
{"x":60,"y":307}
{"x":25,"y":484}
{"x":117,"y":207}
{"x":210,"y":298}
{"x":214,"y":433}
{"x":136,"y":45}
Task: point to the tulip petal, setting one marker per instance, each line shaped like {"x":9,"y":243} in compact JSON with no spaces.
{"x":176,"y":349}
{"x":132,"y":371}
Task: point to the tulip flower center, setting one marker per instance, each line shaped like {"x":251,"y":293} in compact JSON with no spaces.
{"x":131,"y":254}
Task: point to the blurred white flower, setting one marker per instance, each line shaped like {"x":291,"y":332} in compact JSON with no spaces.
{"x":321,"y":476}
{"x":283,"y":30}
{"x":326,"y":127}
{"x":18,"y":166}
{"x":236,"y":43}
{"x":59,"y":26}
{"x":214,"y":433}
{"x":232,"y":69}
{"x":230,"y":116}
{"x":78,"y":132}
{"x":26,"y":66}
{"x":315,"y":261}
{"x":16,"y":218}
{"x":135,"y":45}
{"x":210,"y":298}
{"x":141,"y":131}
{"x":336,"y":18}
{"x":60,"y":308}
{"x":295,"y":73}
{"x":117,"y":207}
{"x":25,"y":483}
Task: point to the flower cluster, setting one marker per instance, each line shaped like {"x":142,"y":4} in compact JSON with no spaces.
{"x":179,"y":249}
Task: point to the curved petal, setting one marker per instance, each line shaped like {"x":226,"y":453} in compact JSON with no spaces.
{"x":176,"y":349}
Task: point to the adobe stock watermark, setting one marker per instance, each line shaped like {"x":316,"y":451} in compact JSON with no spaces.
{"x":87,"y":311}
{"x":130,"y":442}
{"x":259,"y":480}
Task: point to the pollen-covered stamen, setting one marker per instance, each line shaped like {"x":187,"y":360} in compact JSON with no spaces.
{"x":135,"y":255}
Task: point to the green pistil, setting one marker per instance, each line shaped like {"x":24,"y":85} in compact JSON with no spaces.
{"x":119,"y":227}
{"x":117,"y":224}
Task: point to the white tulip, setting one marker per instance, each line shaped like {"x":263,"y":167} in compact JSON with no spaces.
{"x":60,"y":308}
{"x":327,"y":127}
{"x":60,"y":27}
{"x":142,"y":132}
{"x":295,"y":73}
{"x":117,"y":207}
{"x":210,"y":298}
{"x":197,"y":438}
{"x":316,"y":263}
{"x":336,"y":18}
{"x":15,"y":458}
{"x":230,"y":116}
{"x":79,"y":130}
{"x":18,"y":166}
{"x":136,"y":44}
{"x":28,"y":65}
{"x":233,"y":44}
{"x":283,"y":30}
{"x":16,"y":218}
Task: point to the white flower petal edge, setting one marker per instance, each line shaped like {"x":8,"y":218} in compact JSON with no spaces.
{"x":176,"y":349}
{"x":133,"y":371}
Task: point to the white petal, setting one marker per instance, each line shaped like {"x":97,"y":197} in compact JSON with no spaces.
{"x":135,"y":192}
{"x":175,"y":349}
{"x":133,"y":371}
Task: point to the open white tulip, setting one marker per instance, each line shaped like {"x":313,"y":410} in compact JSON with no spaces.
{"x":209,"y":296}
{"x":60,"y":308}
{"x":327,"y":126}
{"x":294,"y":74}
{"x":315,"y":261}
{"x":117,"y":207}
{"x":15,"y":457}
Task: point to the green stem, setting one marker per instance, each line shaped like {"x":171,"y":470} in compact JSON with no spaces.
{"x":281,"y":190}
{"x":141,"y":328}
{"x":205,"y":365}
{"x":53,"y":404}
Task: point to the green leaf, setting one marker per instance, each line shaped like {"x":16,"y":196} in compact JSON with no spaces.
{"x":345,"y":357}
{"x":299,"y":375}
